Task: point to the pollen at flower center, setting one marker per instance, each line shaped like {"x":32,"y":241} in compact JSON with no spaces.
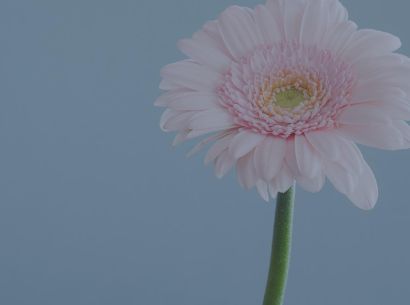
{"x":289,"y":98}
{"x":289,"y":94}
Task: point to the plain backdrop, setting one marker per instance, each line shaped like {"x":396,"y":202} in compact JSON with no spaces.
{"x":97,"y":208}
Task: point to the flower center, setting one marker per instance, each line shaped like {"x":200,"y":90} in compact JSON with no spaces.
{"x":289,"y":98}
{"x":288,"y":94}
{"x":287,"y":89}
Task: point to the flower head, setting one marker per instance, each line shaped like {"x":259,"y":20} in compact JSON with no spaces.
{"x":286,"y":90}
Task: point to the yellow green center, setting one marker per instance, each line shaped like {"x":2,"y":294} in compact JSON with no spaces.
{"x":289,"y":98}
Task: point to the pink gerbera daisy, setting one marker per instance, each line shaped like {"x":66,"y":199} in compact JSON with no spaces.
{"x":287,"y":89}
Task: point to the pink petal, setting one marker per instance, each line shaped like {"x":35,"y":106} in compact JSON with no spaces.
{"x":284,"y":180}
{"x":180,"y":138}
{"x":269,"y":157}
{"x":337,"y":12}
{"x":188,"y":74}
{"x":381,"y":136}
{"x":211,"y":119}
{"x":362,"y":114}
{"x":195,"y":101}
{"x":343,"y":180}
{"x":396,"y":109}
{"x":273,"y":189}
{"x":404,"y":130}
{"x":179,"y":121}
{"x":172,"y":120}
{"x":368,"y":43}
{"x":369,"y":67}
{"x":244,"y":142}
{"x":239,"y":31}
{"x":350,"y":156}
{"x":375,"y":92}
{"x":223,"y":164}
{"x":218,"y":147}
{"x":307,"y":158}
{"x":358,"y":184}
{"x":290,"y":157}
{"x":205,"y":54}
{"x":338,"y":37}
{"x":314,"y":22}
{"x":366,"y":192}
{"x":275,"y":7}
{"x":202,"y":144}
{"x":168,"y":84}
{"x":211,"y":35}
{"x":168,"y":97}
{"x":312,"y":185}
{"x":262,"y":188}
{"x":292,"y":18}
{"x":325,"y":142}
{"x":246,"y":172}
{"x":267,"y":26}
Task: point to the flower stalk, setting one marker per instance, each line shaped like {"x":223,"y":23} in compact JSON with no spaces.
{"x":281,"y":248}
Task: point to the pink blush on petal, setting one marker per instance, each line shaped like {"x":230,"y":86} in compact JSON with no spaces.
{"x":287,"y":89}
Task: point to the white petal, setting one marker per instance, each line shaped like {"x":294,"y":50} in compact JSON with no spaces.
{"x":314,"y":22}
{"x":211,"y":119}
{"x":205,"y":54}
{"x":244,"y":142}
{"x":358,"y":184}
{"x":362,"y":114}
{"x":211,"y":36}
{"x":388,"y":76}
{"x":168,"y":84}
{"x":275,"y":7}
{"x":194,"y":101}
{"x":312,"y":185}
{"x":368,"y":43}
{"x":381,"y":136}
{"x":262,"y":188}
{"x":178,"y":122}
{"x":404,"y":130}
{"x":326,"y":143}
{"x":334,"y":147}
{"x":375,"y":92}
{"x":218,"y":147}
{"x":246,"y":171}
{"x":188,"y":74}
{"x":168,"y":97}
{"x":273,"y":189}
{"x":343,"y":180}
{"x":172,"y":120}
{"x":369,"y":67}
{"x":238,"y":31}
{"x":194,"y":133}
{"x":201,"y":145}
{"x":290,"y":157}
{"x":338,"y":37}
{"x":350,"y":156}
{"x":284,"y":180}
{"x":292,"y":17}
{"x":269,"y":157}
{"x":267,"y":26}
{"x":366,"y":192}
{"x":180,"y":138}
{"x":307,"y":158}
{"x":337,"y":12}
{"x":396,"y":109}
{"x":223,"y":164}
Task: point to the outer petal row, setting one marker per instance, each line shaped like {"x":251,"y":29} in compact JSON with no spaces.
{"x":307,"y":159}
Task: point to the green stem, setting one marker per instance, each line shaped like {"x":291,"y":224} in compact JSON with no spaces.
{"x":281,"y":245}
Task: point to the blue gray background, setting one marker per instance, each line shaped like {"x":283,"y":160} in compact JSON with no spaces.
{"x":96,"y":207}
